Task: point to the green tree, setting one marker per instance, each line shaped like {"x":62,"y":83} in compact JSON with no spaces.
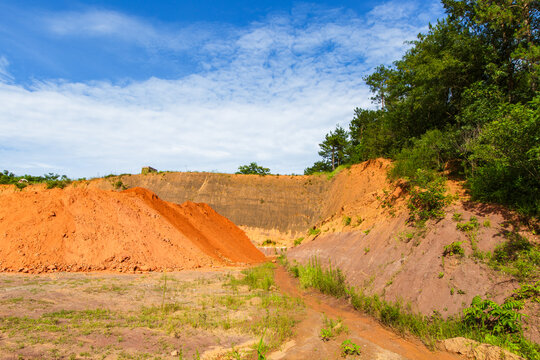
{"x":253,"y":168}
{"x":318,"y":166}
{"x":370,"y":136}
{"x":378,"y":84}
{"x":334,"y":146}
{"x":506,"y":158}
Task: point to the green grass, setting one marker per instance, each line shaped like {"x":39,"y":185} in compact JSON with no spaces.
{"x":331,"y":174}
{"x":330,"y":280}
{"x":517,"y":256}
{"x":259,"y":277}
{"x":314,"y":232}
{"x":332,"y":328}
{"x":470,"y":225}
{"x":228,"y":309}
{"x":349,"y":348}
{"x":268,"y":242}
{"x":454,"y":248}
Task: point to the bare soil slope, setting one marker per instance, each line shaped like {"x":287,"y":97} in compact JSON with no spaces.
{"x":79,"y":229}
{"x":367,"y":235}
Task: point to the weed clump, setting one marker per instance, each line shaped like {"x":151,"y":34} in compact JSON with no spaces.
{"x":268,"y":242}
{"x":428,"y":197}
{"x":494,"y":318}
{"x":517,"y":256}
{"x":119,"y":185}
{"x":332,"y":328}
{"x":470,"y":225}
{"x":454,"y":249}
{"x":528,"y":291}
{"x":349,"y":348}
{"x":329,"y":281}
{"x":260,"y":277}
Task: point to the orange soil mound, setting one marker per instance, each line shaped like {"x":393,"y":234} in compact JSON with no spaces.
{"x":90,"y":229}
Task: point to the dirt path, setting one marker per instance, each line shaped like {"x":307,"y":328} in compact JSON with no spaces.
{"x":375,"y":341}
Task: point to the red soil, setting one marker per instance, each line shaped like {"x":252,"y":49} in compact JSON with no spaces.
{"x":88,"y":229}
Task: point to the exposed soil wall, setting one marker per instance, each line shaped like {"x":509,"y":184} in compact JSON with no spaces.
{"x":282,"y":206}
{"x":368,"y":236}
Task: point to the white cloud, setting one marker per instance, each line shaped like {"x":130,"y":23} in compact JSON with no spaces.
{"x":115,"y":25}
{"x":269,"y":93}
{"x":4,"y":73}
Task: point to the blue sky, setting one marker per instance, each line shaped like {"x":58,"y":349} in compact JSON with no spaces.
{"x":97,"y":87}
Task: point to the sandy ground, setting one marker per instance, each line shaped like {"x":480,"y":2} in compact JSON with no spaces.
{"x":115,"y":316}
{"x":181,"y":315}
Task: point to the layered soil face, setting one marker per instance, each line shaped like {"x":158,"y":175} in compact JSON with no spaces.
{"x":367,"y":235}
{"x":84,"y":229}
{"x":276,"y":207}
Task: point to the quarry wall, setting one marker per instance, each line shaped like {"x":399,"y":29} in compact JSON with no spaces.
{"x":273,"y":206}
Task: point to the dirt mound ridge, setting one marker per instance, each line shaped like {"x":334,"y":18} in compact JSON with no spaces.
{"x":88,"y":229}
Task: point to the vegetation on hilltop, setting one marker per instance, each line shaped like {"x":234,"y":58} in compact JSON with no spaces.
{"x":464,"y":98}
{"x":52,"y":180}
{"x":253,"y":168}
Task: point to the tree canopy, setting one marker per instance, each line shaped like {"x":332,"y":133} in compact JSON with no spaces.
{"x":465,"y":94}
{"x":253,"y":168}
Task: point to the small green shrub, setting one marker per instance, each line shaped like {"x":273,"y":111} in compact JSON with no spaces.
{"x":346,"y":220}
{"x":429,"y":152}
{"x":326,"y":334}
{"x":457,"y":217}
{"x":332,"y":328}
{"x":314,"y":231}
{"x":349,"y":348}
{"x":298,"y":241}
{"x":428,"y":201}
{"x":119,"y":185}
{"x":517,"y":256}
{"x":441,"y":275}
{"x":268,"y":242}
{"x":259,"y":277}
{"x":528,"y":291}
{"x":470,"y":225}
{"x":493,"y":318}
{"x":21,"y":185}
{"x":454,"y":249}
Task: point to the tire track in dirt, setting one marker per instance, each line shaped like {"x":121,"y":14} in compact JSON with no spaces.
{"x":376,"y":341}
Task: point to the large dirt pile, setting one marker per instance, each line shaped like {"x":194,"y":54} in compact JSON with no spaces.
{"x":78,"y":229}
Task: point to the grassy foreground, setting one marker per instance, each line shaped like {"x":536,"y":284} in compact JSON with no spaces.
{"x":152,"y":316}
{"x":484,"y":321}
